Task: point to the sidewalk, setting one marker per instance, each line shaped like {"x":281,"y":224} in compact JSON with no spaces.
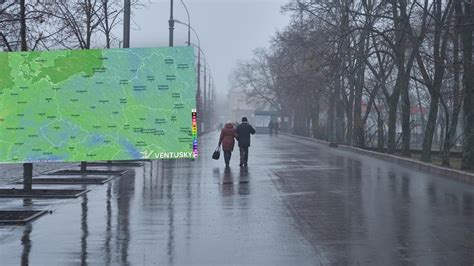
{"x":167,"y":213}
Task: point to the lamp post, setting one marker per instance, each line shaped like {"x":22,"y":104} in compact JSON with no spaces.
{"x":207,"y":96}
{"x":208,"y":111}
{"x":189,"y":22}
{"x":202,"y":109}
{"x":171,"y":24}
{"x":204,"y":99}
{"x":198,"y":93}
{"x":126,"y":24}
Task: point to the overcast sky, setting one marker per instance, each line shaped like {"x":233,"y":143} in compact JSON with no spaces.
{"x":229,"y":30}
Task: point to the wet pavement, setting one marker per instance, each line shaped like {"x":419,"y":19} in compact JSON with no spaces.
{"x":297,"y":203}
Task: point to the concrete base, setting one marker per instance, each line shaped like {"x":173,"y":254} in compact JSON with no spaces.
{"x":116,"y":163}
{"x":41,"y":193}
{"x":18,"y":217}
{"x":89,"y":172}
{"x":70,"y":180}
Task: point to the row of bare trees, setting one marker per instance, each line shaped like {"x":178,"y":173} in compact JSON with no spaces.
{"x":372,"y":72}
{"x":48,"y":24}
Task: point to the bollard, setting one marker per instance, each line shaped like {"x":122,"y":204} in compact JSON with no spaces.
{"x":27,"y":176}
{"x":83,"y":166}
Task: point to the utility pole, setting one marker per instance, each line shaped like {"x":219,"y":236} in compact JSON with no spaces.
{"x":126,"y":24}
{"x":189,"y":34}
{"x":204,"y":114}
{"x":209,"y":101}
{"x":198,"y":104}
{"x":171,"y":23}
{"x":27,"y":167}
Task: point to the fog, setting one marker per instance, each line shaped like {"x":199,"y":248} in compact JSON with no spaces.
{"x":229,"y":30}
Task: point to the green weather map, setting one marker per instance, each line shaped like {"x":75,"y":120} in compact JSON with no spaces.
{"x":101,"y":104}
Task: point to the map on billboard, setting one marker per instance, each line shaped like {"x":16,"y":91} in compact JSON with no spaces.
{"x":89,"y":105}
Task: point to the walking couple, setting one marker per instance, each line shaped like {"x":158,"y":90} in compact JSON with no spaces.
{"x":242,"y":134}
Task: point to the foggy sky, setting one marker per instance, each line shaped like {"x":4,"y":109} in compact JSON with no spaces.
{"x":228,"y":29}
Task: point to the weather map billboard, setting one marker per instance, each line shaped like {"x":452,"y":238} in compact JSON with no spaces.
{"x":87,"y":105}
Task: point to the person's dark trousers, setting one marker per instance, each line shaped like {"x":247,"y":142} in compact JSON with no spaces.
{"x":244,"y":155}
{"x":227,"y":155}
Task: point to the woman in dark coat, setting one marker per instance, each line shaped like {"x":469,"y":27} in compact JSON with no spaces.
{"x":227,"y":140}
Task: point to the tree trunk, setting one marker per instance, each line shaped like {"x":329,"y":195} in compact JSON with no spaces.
{"x":349,"y":114}
{"x":315,"y":120}
{"x":308,"y":125}
{"x":358,"y":123}
{"x":340,"y":128}
{"x":439,"y":128}
{"x":330,"y":122}
{"x":451,"y":132}
{"x":349,"y":129}
{"x":445,"y":151}
{"x":88,"y":14}
{"x":105,"y":7}
{"x":405,"y":118}
{"x":430,"y":130}
{"x":468,"y":80}
{"x":380,"y":133}
{"x":392,"y":124}
{"x":23,"y":43}
{"x":422,"y":113}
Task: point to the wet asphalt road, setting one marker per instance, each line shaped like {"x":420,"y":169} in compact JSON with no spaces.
{"x":298,"y":203}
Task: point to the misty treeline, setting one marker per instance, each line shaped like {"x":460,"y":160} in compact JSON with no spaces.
{"x":28,"y":25}
{"x":372,"y":73}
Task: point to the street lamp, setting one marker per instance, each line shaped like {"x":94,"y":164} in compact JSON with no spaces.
{"x":189,"y":22}
{"x":200,"y":51}
{"x":203,"y":109}
{"x":191,"y":28}
{"x":199,"y":54}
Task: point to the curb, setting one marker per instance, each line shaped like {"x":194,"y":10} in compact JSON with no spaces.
{"x":425,"y":167}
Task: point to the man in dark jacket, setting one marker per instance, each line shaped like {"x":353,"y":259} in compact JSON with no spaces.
{"x":243,"y":133}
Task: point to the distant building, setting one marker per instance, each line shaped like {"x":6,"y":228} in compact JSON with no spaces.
{"x":240,"y":107}
{"x":258,"y":114}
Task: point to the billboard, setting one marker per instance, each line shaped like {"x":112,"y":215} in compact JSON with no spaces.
{"x":101,"y":104}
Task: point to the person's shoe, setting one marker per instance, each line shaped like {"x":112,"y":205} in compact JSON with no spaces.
{"x":241,"y":164}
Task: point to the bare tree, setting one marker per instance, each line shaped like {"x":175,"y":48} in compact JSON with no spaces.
{"x":355,"y":67}
{"x":465,"y":12}
{"x":455,"y":98}
{"x":28,"y":25}
{"x":441,"y":15}
{"x":82,"y":20}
